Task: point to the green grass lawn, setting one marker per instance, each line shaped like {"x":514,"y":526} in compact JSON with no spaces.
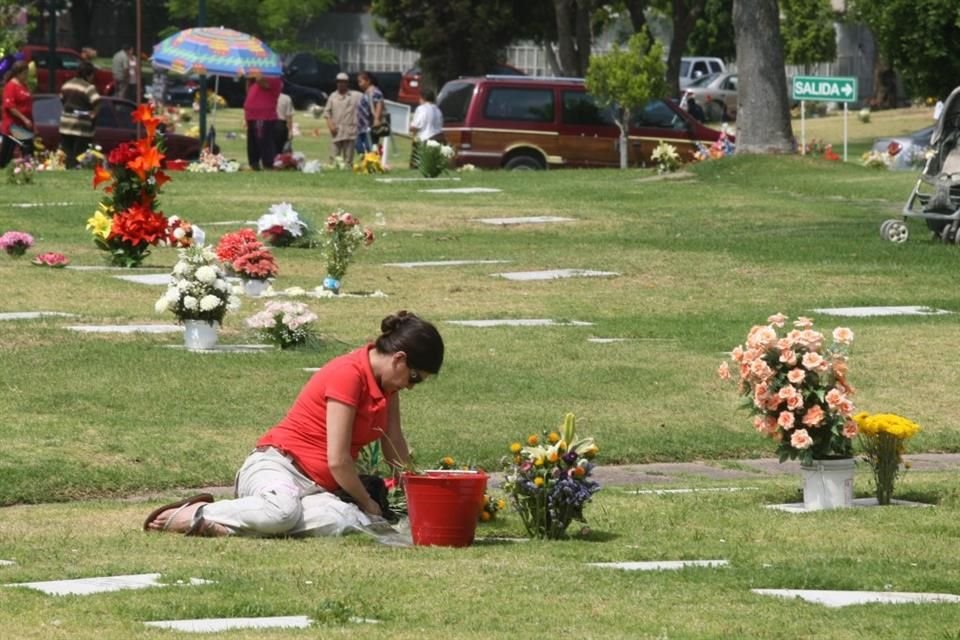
{"x":701,"y":260}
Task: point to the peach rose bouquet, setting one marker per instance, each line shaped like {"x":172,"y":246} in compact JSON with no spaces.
{"x":795,"y":385}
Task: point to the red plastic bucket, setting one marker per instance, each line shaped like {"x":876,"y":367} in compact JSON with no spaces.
{"x":444,"y":506}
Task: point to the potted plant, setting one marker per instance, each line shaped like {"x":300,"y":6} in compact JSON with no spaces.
{"x":549,"y":479}
{"x":882,"y":437}
{"x":795,"y":385}
{"x":256,"y":265}
{"x":199,"y":296}
{"x":342,"y":236}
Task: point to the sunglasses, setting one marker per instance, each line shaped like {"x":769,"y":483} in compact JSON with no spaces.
{"x":415,"y":377}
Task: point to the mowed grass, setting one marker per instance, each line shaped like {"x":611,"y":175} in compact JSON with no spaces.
{"x":701,"y":260}
{"x":502,"y":589}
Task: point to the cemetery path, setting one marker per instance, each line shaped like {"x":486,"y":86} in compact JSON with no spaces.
{"x":676,"y":473}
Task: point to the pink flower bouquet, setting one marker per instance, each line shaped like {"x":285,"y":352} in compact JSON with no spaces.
{"x":51,"y":259}
{"x":796,"y":388}
{"x":16,"y":243}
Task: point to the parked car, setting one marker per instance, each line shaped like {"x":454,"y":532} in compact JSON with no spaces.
{"x":67,"y":62}
{"x":908,"y":150}
{"x":535,"y":123}
{"x":409,"y":92}
{"x":694,"y":67}
{"x":716,"y":94}
{"x":304,"y":97}
{"x":113,"y":127}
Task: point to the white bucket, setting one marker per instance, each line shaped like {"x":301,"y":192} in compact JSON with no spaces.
{"x":828,"y":484}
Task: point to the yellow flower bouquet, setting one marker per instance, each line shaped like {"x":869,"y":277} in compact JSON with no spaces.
{"x":882,"y":436}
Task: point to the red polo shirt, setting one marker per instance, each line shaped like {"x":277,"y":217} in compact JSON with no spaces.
{"x":303,"y":432}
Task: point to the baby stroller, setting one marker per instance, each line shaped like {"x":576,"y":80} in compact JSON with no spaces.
{"x":937,"y":192}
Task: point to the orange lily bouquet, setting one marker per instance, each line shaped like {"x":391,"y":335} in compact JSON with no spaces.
{"x":127,"y":222}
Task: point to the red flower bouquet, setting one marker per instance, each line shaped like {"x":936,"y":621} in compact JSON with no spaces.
{"x":256,"y":264}
{"x":128,"y":222}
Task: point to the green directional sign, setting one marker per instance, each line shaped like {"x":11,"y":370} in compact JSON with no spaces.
{"x":824,"y":89}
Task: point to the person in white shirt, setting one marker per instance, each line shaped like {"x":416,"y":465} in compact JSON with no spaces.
{"x":427,"y":124}
{"x":284,"y":123}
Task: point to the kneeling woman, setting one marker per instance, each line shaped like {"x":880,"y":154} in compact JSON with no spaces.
{"x":286,"y":485}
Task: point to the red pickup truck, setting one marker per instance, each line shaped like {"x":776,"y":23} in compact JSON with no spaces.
{"x":67,"y":61}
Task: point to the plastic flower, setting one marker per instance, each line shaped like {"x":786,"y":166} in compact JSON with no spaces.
{"x":16,"y":243}
{"x":256,"y":264}
{"x":233,"y":245}
{"x":51,"y":259}
{"x":100,"y":175}
{"x":139,"y":225}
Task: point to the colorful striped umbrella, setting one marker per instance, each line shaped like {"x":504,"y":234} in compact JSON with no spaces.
{"x":216,"y":51}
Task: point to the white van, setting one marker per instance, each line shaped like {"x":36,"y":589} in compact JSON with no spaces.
{"x":692,"y":68}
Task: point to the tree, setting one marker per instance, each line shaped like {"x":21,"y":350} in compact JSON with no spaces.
{"x":712,"y":34}
{"x":919,"y":38}
{"x":276,"y":22}
{"x":574,"y":36}
{"x":14,"y":25}
{"x":808,"y":33}
{"x":454,"y":38}
{"x":763,"y":120}
{"x":627,"y":79}
{"x":685,"y":14}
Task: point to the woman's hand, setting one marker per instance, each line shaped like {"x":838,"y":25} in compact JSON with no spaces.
{"x":372,"y":508}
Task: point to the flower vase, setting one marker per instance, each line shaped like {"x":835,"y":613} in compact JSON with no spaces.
{"x":199,"y":335}
{"x":255,"y":287}
{"x":331,"y":284}
{"x":828,"y":484}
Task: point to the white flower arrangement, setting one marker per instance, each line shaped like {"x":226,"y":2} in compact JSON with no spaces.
{"x":666,"y":157}
{"x":281,"y":226}
{"x":282,"y":215}
{"x":435,"y":158}
{"x":286,"y":324}
{"x":198,"y":288}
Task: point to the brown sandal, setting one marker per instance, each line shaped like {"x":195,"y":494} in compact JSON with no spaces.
{"x":186,"y":502}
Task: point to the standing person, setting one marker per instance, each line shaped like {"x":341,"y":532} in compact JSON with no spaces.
{"x":88,"y":54}
{"x":158,"y":89}
{"x":284,"y":123}
{"x":289,"y":484}
{"x":121,"y":71}
{"x":260,"y":113}
{"x":132,"y":79}
{"x":370,"y":112}
{"x":340,"y":112}
{"x":80,"y":105}
{"x":427,"y":124}
{"x":16,"y":122}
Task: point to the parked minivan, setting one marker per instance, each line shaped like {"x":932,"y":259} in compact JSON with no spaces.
{"x":519,"y":122}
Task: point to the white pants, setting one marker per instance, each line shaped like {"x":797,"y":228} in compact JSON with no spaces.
{"x":275,"y":499}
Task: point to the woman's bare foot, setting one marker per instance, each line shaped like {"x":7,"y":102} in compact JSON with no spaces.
{"x":181,"y":517}
{"x":176,"y":519}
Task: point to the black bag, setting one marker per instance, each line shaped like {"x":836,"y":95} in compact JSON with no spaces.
{"x":382,"y":130}
{"x":377,"y":489}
